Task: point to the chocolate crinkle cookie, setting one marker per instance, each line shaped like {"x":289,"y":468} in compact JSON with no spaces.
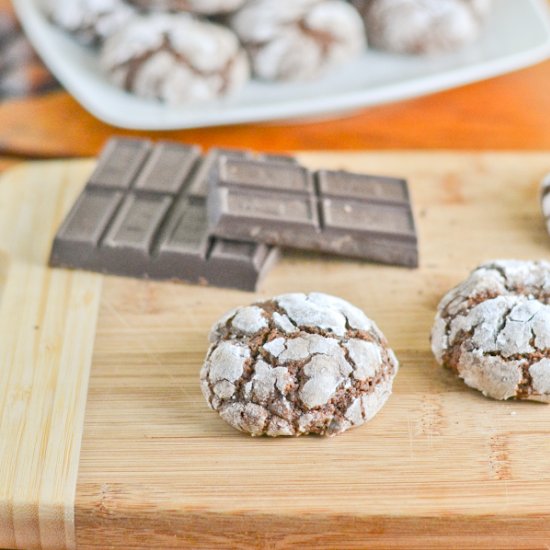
{"x":175,"y":58}
{"x":203,"y":7}
{"x":298,"y":39}
{"x":90,"y":21}
{"x":423,"y":26}
{"x":297,"y":364}
{"x":493,"y":330}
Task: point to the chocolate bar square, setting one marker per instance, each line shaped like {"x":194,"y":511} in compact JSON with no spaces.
{"x":338,"y":212}
{"x":143,"y":214}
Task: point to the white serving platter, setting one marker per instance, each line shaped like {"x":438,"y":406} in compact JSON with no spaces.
{"x":517,"y":35}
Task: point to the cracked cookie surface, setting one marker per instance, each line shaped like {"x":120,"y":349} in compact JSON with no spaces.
{"x":176,"y":58}
{"x":90,"y":21}
{"x":423,"y":26}
{"x":290,"y":40}
{"x":493,"y":330}
{"x":297,"y":364}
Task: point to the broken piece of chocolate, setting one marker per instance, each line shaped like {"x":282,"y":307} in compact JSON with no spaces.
{"x":357,"y":215}
{"x":137,"y":217}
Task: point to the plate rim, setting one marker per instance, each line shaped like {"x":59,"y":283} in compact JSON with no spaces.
{"x":327,"y":106}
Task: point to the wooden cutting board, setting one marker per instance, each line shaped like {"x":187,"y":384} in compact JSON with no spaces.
{"x":144,"y":464}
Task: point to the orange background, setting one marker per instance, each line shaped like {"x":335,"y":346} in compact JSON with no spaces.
{"x":506,"y":113}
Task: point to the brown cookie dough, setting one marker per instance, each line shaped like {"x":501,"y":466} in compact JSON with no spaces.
{"x":175,"y":58}
{"x":91,"y":21}
{"x":493,"y":330}
{"x":203,"y":7}
{"x":298,"y":39}
{"x":297,"y":364}
{"x":423,"y":26}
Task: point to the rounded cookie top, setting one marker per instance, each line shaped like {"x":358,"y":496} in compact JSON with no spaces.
{"x":298,"y":39}
{"x":202,"y":7}
{"x":493,"y":330}
{"x":91,"y":21}
{"x":175,"y":58}
{"x":423,"y":26}
{"x":297,"y":364}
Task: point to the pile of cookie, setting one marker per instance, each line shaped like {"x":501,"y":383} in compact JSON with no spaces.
{"x":21,"y":72}
{"x":184,"y":51}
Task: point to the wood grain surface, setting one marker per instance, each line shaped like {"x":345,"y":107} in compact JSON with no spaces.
{"x":506,"y":113}
{"x":47,"y":324}
{"x":8,"y":162}
{"x":439,"y":467}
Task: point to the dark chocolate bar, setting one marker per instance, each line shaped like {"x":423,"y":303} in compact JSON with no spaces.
{"x":143,"y":214}
{"x":368,"y":217}
{"x":198,"y":188}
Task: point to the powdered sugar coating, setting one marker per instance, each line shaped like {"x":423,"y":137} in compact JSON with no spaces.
{"x":175,"y":58}
{"x":298,"y":39}
{"x":283,"y":323}
{"x":297,"y":364}
{"x":91,"y":21}
{"x":366,"y":356}
{"x":540,"y":375}
{"x":249,"y":320}
{"x":493,"y":330}
{"x":203,"y":7}
{"x":423,"y":26}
